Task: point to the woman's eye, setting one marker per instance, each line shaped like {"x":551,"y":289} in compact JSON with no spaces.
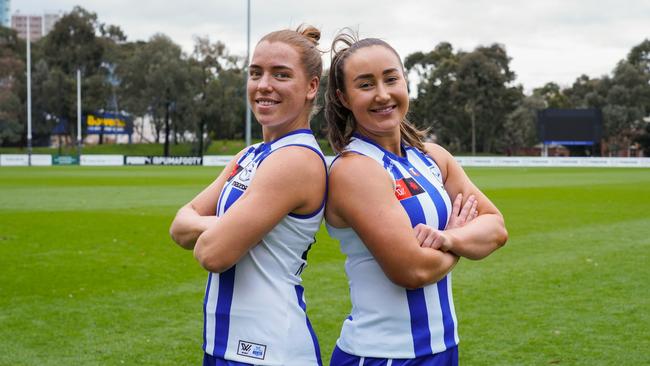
{"x":281,"y":75}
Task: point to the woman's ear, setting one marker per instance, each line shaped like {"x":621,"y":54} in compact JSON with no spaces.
{"x":312,"y":89}
{"x":342,"y":98}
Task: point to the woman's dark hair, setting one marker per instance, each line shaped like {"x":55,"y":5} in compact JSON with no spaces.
{"x":340,"y":120}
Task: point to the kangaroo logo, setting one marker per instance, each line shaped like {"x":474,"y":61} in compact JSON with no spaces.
{"x":245,"y":174}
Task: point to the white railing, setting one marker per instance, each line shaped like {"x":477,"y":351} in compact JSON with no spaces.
{"x":222,"y":160}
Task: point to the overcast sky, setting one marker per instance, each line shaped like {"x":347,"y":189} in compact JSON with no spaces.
{"x":548,"y":40}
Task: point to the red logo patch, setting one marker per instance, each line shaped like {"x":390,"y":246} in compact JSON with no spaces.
{"x":407,"y":187}
{"x":234,"y":172}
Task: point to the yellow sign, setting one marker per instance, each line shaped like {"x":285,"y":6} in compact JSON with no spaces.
{"x":106,"y":124}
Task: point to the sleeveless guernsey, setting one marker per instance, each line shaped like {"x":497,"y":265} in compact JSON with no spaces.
{"x":255,"y":311}
{"x":389,"y":321}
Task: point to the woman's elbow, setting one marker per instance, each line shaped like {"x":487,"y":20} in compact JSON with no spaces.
{"x":498,"y":232}
{"x":502,"y":234}
{"x":180,"y":239}
{"x":209,"y":260}
{"x":503,"y":237}
{"x":415,"y":278}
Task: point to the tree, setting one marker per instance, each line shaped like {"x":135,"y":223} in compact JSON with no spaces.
{"x":464,"y":96}
{"x":218,"y":84}
{"x":639,"y":56}
{"x":588,"y":93}
{"x":74,"y":44}
{"x":520,"y":129}
{"x":154,"y":80}
{"x":644,"y":138}
{"x":553,"y":96}
{"x":12,"y":68}
{"x":226,"y":109}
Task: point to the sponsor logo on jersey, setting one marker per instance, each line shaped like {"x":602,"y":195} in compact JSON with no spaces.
{"x":239,"y":185}
{"x":406,"y":188}
{"x":250,"y":349}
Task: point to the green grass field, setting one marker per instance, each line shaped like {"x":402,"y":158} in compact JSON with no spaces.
{"x":89,"y":276}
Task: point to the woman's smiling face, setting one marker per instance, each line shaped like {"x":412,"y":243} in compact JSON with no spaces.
{"x":375,"y":90}
{"x":278,"y":89}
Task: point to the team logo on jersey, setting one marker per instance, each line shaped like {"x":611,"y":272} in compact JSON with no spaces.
{"x":436,"y":174}
{"x":246,"y":173}
{"x":250,"y":349}
{"x":407,"y":187}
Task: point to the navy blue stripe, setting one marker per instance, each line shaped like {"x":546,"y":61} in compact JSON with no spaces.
{"x":294,"y":132}
{"x":234,"y":194}
{"x":428,"y":161}
{"x":209,"y":360}
{"x":307,"y":216}
{"x":438,"y":201}
{"x":411,"y":205}
{"x":388,"y":163}
{"x":414,"y":210}
{"x":223,"y":191}
{"x":341,"y":358}
{"x":263,"y":151}
{"x":425,"y":158}
{"x":222,"y":314}
{"x":419,"y":322}
{"x":447,"y":319}
{"x":335,"y":159}
{"x":205,"y":305}
{"x":441,"y":209}
{"x":250,"y":150}
{"x":299,"y":291}
{"x":390,"y":154}
{"x":371,"y":361}
{"x":444,"y":358}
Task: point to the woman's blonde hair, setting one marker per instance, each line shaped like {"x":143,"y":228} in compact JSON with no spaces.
{"x":304,"y":40}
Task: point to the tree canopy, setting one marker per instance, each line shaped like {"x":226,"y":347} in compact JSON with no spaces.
{"x":468,"y":100}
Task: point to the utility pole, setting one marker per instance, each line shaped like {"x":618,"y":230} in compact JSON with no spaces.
{"x":248,"y":56}
{"x":29,"y":93}
{"x":79,"y":114}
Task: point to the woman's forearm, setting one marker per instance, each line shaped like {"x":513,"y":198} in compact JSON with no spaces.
{"x":478,"y":238}
{"x":188,"y":225}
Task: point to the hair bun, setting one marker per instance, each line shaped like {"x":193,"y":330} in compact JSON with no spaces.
{"x":309,"y":32}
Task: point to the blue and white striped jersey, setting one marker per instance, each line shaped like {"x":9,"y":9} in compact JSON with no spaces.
{"x":255,"y":311}
{"x":389,"y":321}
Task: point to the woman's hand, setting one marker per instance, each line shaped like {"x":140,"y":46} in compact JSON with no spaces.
{"x":429,"y":237}
{"x":459,"y":217}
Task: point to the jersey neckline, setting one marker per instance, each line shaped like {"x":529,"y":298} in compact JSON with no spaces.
{"x":389,"y":153}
